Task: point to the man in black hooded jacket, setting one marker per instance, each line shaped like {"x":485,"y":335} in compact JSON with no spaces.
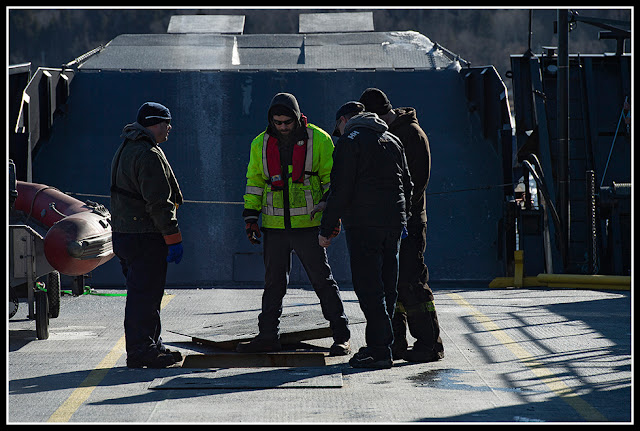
{"x":415,"y":306}
{"x":370,"y":188}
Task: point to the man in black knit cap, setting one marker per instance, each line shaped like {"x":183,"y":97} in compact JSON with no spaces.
{"x":415,"y":305}
{"x":369,"y":168}
{"x":144,"y":199}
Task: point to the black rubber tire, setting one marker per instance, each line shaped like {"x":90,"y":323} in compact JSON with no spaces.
{"x":42,"y":314}
{"x":53,"y":292}
{"x":14,"y":302}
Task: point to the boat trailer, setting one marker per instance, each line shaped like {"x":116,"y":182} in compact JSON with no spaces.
{"x":51,"y":233}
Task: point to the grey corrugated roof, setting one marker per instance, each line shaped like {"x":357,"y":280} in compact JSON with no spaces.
{"x":193,"y":51}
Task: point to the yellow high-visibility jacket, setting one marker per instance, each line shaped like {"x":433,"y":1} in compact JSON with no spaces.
{"x":302,"y":196}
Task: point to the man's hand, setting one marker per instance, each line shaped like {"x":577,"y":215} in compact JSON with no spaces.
{"x":318,"y":208}
{"x":253,"y":232}
{"x":323,"y":241}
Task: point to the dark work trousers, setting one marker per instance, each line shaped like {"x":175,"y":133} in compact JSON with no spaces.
{"x":143,"y":257}
{"x":278,"y":246}
{"x":374,"y":271}
{"x":415,"y":306}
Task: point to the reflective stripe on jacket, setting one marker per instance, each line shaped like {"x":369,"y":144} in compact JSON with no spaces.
{"x":260,"y":195}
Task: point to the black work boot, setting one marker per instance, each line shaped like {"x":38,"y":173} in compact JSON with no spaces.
{"x":177,"y":356}
{"x":365,"y":359}
{"x":161,"y":360}
{"x":340,"y":348}
{"x":415,"y":354}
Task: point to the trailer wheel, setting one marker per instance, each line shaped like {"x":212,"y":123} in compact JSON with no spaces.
{"x":14,"y":302}
{"x":53,"y":292}
{"x":42,"y":315}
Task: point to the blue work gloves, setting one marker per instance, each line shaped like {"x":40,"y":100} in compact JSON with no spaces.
{"x":405,"y":232}
{"x":175,"y":253}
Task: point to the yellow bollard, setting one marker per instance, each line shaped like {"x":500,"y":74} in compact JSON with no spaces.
{"x":518,"y":274}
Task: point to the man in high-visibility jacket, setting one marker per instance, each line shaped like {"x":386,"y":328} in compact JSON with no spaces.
{"x":287,"y":175}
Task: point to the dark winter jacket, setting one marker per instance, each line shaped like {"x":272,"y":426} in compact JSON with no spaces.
{"x":147,"y":191}
{"x":416,"y":148}
{"x":370,"y":180}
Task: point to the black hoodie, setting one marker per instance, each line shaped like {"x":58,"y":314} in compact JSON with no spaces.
{"x":416,"y":147}
{"x":370,"y":180}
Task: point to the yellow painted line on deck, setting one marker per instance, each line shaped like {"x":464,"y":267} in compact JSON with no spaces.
{"x":554,"y":383}
{"x":84,"y":390}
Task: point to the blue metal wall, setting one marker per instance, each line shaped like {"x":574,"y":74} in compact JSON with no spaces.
{"x":215,"y":117}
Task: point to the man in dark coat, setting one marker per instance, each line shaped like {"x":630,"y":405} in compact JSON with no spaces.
{"x":144,"y":200}
{"x":415,"y":305}
{"x":370,"y":189}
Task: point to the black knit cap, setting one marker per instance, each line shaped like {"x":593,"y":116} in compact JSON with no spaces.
{"x":151,"y":113}
{"x":375,"y":101}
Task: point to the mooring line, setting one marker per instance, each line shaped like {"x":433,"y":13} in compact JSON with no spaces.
{"x":193,"y":201}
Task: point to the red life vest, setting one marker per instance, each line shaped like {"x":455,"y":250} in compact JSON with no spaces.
{"x":297,"y":160}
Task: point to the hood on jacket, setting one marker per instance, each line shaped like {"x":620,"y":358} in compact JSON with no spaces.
{"x":286,"y":100}
{"x":291,"y":108}
{"x":405,"y":116}
{"x":135,"y":130}
{"x":368,"y":120}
